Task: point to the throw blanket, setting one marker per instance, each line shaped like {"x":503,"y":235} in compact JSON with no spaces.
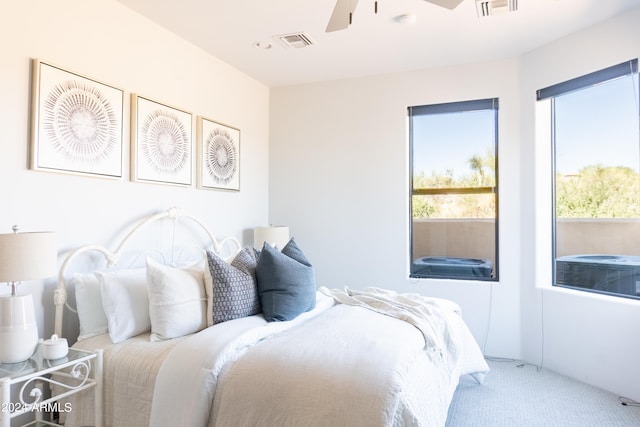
{"x":439,"y":320}
{"x":432,"y":316}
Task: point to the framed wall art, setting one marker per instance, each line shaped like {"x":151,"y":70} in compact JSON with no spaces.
{"x":218,"y":155}
{"x":161,"y":143}
{"x":76,"y":123}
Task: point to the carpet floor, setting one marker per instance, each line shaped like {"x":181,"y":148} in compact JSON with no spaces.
{"x":522,"y":396}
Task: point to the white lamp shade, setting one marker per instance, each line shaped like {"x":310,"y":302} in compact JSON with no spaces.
{"x":27,"y":256}
{"x":277,"y":236}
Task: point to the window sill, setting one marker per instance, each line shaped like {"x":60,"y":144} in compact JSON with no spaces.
{"x":631,"y":302}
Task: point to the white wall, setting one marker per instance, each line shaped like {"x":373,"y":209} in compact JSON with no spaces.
{"x":104,"y":40}
{"x":592,"y":338}
{"x":339,"y":179}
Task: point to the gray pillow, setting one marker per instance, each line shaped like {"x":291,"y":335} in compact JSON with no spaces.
{"x":286,"y":282}
{"x":234,"y":287}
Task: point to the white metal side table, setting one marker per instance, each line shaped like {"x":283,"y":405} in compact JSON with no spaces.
{"x":71,"y":374}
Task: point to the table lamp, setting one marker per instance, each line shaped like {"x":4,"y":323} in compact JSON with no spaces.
{"x":276,"y":235}
{"x":23,"y":256}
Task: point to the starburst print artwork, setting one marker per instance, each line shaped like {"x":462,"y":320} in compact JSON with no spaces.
{"x":218,"y":155}
{"x":77,"y":124}
{"x":80,"y":122}
{"x":164,"y":142}
{"x":221,"y":157}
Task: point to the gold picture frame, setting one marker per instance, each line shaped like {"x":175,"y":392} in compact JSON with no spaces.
{"x":76,"y":123}
{"x":161,"y":143}
{"x":218,"y":164}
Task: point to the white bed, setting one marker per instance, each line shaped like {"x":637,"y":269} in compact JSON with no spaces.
{"x":356,"y":358}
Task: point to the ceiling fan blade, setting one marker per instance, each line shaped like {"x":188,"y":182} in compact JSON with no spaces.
{"x":340,"y":17}
{"x":449,"y":4}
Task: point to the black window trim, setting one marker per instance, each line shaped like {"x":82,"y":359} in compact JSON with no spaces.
{"x":456,"y":107}
{"x":620,"y":70}
{"x":624,"y":69}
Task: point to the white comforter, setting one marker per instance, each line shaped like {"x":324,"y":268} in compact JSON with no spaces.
{"x":337,"y":365}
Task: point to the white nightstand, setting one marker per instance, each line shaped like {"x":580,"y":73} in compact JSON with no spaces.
{"x":72,"y":374}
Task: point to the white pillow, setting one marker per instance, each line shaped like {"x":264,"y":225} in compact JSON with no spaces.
{"x":177,"y":300}
{"x":125,"y":300}
{"x":91,"y":315}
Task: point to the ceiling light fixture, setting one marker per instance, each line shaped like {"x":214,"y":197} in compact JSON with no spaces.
{"x":263,"y":45}
{"x":405,"y":19}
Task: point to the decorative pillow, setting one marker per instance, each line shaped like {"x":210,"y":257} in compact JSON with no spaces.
{"x":91,"y":315}
{"x":208,"y":287}
{"x":286,"y":282}
{"x":234,"y":288}
{"x":177,"y":302}
{"x":125,"y":300}
{"x":208,"y":291}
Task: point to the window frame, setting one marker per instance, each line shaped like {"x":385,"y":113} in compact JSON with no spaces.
{"x":489,"y":104}
{"x":624,"y":69}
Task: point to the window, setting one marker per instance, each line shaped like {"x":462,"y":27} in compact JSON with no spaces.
{"x":595,"y":136}
{"x":454,"y":183}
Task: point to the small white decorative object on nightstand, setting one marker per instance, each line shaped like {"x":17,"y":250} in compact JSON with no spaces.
{"x":71,"y":374}
{"x":54,"y":348}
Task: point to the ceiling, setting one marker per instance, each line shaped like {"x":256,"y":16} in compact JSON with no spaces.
{"x":374,"y":43}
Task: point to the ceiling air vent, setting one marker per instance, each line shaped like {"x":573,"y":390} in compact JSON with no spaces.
{"x":495,"y":7}
{"x":295,"y":40}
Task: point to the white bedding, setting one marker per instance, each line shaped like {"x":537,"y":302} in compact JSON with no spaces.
{"x":130,"y":369}
{"x":350,"y":371}
{"x":187,"y":379}
{"x":337,"y":365}
{"x":246,"y":372}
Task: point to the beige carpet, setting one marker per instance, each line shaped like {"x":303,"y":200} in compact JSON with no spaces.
{"x":525,"y":397}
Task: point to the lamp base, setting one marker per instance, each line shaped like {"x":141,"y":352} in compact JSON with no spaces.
{"x":18,"y":328}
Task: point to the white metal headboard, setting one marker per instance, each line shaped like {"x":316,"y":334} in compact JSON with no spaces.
{"x":111,"y":257}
